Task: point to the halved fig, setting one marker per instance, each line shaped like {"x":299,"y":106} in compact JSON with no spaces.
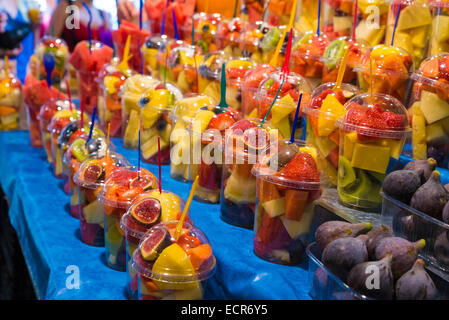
{"x":93,"y":171}
{"x":154,"y":244}
{"x":147,"y":212}
{"x":145,"y":182}
{"x":256,"y":138}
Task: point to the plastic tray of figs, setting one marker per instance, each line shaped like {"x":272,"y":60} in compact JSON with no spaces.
{"x":411,"y":224}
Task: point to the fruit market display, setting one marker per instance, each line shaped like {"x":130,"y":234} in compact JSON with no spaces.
{"x":439,"y":38}
{"x":10,"y":102}
{"x":235,"y":73}
{"x":60,"y":53}
{"x":183,"y":63}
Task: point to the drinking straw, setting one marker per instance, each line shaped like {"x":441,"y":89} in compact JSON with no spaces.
{"x":178,"y":229}
{"x":7,"y":65}
{"x":107,"y":139}
{"x":116,"y":7}
{"x":285,"y":70}
{"x":371,"y":78}
{"x":123,"y":65}
{"x":292,"y":138}
{"x":175,"y":25}
{"x":159,"y":163}
{"x":49,"y":65}
{"x":341,"y":70}
{"x":163,"y":18}
{"x":69,"y":93}
{"x":395,"y":24}
{"x":264,"y":13}
{"x":194,"y":57}
{"x":223,"y":105}
{"x":92,"y":125}
{"x":89,"y":30}
{"x":274,"y":101}
{"x":138,"y":159}
{"x":235,"y":8}
{"x":165,"y":69}
{"x":140,"y":14}
{"x":82,"y":113}
{"x":319,"y":19}
{"x":354,"y":19}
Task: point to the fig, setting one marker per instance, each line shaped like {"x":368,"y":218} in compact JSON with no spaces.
{"x":363,"y":238}
{"x":374,"y":236}
{"x":446,"y":186}
{"x":445,"y":214}
{"x":402,"y":184}
{"x":93,"y":172}
{"x":404,"y":253}
{"x":146,"y":182}
{"x":147,"y":211}
{"x":416,"y":284}
{"x":373,"y":279}
{"x":283,"y":156}
{"x":342,"y":254}
{"x":431,"y":197}
{"x":154,"y":244}
{"x":424,"y":167}
{"x":441,"y":249}
{"x":331,"y":230}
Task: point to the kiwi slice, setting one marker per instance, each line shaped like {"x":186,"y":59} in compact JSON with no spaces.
{"x":346,"y":173}
{"x":79,"y":150}
{"x":271,"y":39}
{"x":334,"y":53}
{"x":204,"y":46}
{"x":361,"y":187}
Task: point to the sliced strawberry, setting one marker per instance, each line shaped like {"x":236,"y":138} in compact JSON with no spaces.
{"x":301,"y":168}
{"x":222,"y":121}
{"x":393,"y":120}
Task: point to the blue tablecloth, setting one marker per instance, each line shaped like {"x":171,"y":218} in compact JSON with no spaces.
{"x":50,"y":241}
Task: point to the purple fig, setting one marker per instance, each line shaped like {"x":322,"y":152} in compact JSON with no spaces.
{"x":425,"y":167}
{"x":373,"y":279}
{"x":441,"y":249}
{"x":431,"y":197}
{"x":374,"y":236}
{"x":403,"y":252}
{"x":446,"y":186}
{"x":331,"y":230}
{"x":402,"y":184}
{"x":342,"y":254}
{"x":363,"y":237}
{"x":416,"y":284}
{"x":445,"y":214}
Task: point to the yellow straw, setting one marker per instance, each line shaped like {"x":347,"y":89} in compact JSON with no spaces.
{"x":341,"y":70}
{"x":186,"y":209}
{"x":123,"y":66}
{"x":274,"y":59}
{"x":371,"y":77}
{"x":107,"y":139}
{"x":6,"y":66}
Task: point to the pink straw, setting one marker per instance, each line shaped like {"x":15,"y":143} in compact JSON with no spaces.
{"x":159,"y":161}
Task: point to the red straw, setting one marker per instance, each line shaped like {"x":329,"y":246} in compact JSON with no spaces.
{"x":82,"y":113}
{"x":69,"y":93}
{"x":354,"y":20}
{"x":159,"y":161}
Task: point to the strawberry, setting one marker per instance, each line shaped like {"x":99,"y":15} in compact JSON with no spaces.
{"x":318,"y":100}
{"x":222,"y":121}
{"x":356,"y":115}
{"x":301,"y":168}
{"x":235,"y":73}
{"x":243,"y":125}
{"x":393,"y":120}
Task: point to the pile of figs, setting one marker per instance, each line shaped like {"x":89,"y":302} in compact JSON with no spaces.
{"x":373,"y":262}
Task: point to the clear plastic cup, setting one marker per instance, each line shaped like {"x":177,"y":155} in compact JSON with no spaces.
{"x":169,"y":207}
{"x":372,"y":135}
{"x":60,"y":52}
{"x":206,"y":26}
{"x":150,"y":50}
{"x":173,"y":269}
{"x":391,"y":67}
{"x":90,"y":178}
{"x":439,"y":37}
{"x":209,"y":74}
{"x":208,"y":131}
{"x":340,"y":21}
{"x":182,"y":167}
{"x":322,"y":131}
{"x":137,"y":39}
{"x":46,"y":113}
{"x":235,"y":73}
{"x":228,"y":34}
{"x":372,"y":16}
{"x":428,"y":110}
{"x":333,"y":55}
{"x":33,"y":126}
{"x":283,"y":112}
{"x":162,"y":56}
{"x":118,"y":192}
{"x":306,"y":56}
{"x":156,"y":106}
{"x":288,"y":182}
{"x":182,"y":65}
{"x":131,"y":92}
{"x":238,"y":185}
{"x":111,"y":79}
{"x":10,"y":102}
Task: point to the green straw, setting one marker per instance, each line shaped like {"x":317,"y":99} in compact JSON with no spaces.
{"x":223,"y":105}
{"x":235,"y":8}
{"x":274,"y":101}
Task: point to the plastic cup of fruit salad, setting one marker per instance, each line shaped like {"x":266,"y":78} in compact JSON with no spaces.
{"x":235,"y":73}
{"x":173,"y":269}
{"x":119,"y":190}
{"x":228,"y":33}
{"x":182,"y":167}
{"x":208,"y":131}
{"x":250,"y":85}
{"x":182,"y":65}
{"x":372,"y":135}
{"x":88,"y":89}
{"x":245,"y":141}
{"x":288,"y":182}
{"x":46,"y":113}
{"x":333,"y":55}
{"x":282,"y":113}
{"x":209,"y":73}
{"x":156,"y":105}
{"x":109,"y":106}
{"x":340,"y":20}
{"x":391,"y":67}
{"x":206,"y":26}
{"x":90,"y":178}
{"x":147,"y":210}
{"x":60,"y":52}
{"x":131,"y":92}
{"x":162,"y":56}
{"x":306,"y":56}
{"x":429,"y":110}
{"x":439,"y":36}
{"x":326,"y":107}
{"x":149,"y":52}
{"x":10,"y":102}
{"x":413,"y":27}
{"x":365,"y":30}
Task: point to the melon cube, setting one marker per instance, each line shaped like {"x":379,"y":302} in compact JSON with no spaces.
{"x":433,"y":107}
{"x":371,"y":157}
{"x":274,"y":207}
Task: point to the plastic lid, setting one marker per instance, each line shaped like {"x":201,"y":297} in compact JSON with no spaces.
{"x":136,"y":85}
{"x":93,"y":171}
{"x":236,"y":70}
{"x":155,"y":42}
{"x":380,"y":116}
{"x":160,"y":98}
{"x":183,"y":56}
{"x":63,"y":117}
{"x":204,"y":23}
{"x":112,"y":70}
{"x":211,"y":63}
{"x":173,"y":265}
{"x":429,"y":72}
{"x":48,"y":110}
{"x":186,"y":108}
{"x":270,"y":168}
{"x":236,"y":25}
{"x":171,"y":206}
{"x":356,"y":51}
{"x":123,"y":185}
{"x":204,"y":128}
{"x":96,"y":146}
{"x":256,"y":75}
{"x":54,"y":45}
{"x":310,"y":46}
{"x":73,"y":129}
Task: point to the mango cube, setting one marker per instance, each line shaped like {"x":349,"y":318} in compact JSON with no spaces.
{"x":274,"y":207}
{"x":349,"y":142}
{"x":433,"y":107}
{"x":331,"y":110}
{"x":371,"y":157}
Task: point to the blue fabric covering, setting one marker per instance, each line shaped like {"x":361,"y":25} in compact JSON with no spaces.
{"x":49,"y":237}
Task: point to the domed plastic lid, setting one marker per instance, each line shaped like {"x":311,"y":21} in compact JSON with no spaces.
{"x":296,"y":165}
{"x":54,"y":45}
{"x":236,"y":70}
{"x":251,"y":38}
{"x":186,"y":108}
{"x":112,"y":70}
{"x":213,"y":120}
{"x":78,"y":150}
{"x":73,"y":130}
{"x":184,"y":56}
{"x":175,"y":263}
{"x":143,"y":214}
{"x":230,"y":25}
{"x":160,"y":98}
{"x":124,"y":184}
{"x":48,"y":110}
{"x":93,"y":171}
{"x":379,"y":116}
{"x":155,"y":42}
{"x":204,"y":23}
{"x":335,"y":51}
{"x":310,"y":46}
{"x":256,"y":75}
{"x":439,"y":4}
{"x":210,"y":66}
{"x":138,"y":83}
{"x":63,"y":117}
{"x":434,"y":71}
{"x":346,"y":93}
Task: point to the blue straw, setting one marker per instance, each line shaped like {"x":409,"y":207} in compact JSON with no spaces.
{"x":138,"y":159}
{"x":175,"y":25}
{"x":319,"y":18}
{"x":140,"y":14}
{"x":163,"y":19}
{"x":88,"y":26}
{"x":292,"y":138}
{"x":92,"y":125}
{"x":116,"y":6}
{"x":395,"y":25}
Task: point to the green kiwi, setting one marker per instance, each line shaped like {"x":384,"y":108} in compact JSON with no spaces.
{"x":378,"y":176}
{"x":271,"y":39}
{"x":361,"y":187}
{"x":346,"y":173}
{"x":204,"y":46}
{"x":334,"y":53}
{"x":79,"y":150}
{"x":306,"y":38}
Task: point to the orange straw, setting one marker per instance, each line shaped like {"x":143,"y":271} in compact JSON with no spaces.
{"x":178,"y":229}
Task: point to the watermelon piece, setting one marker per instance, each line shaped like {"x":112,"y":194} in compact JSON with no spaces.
{"x":80,"y":58}
{"x":295,"y":204}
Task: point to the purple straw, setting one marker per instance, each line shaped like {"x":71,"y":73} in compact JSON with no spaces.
{"x":89,"y":30}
